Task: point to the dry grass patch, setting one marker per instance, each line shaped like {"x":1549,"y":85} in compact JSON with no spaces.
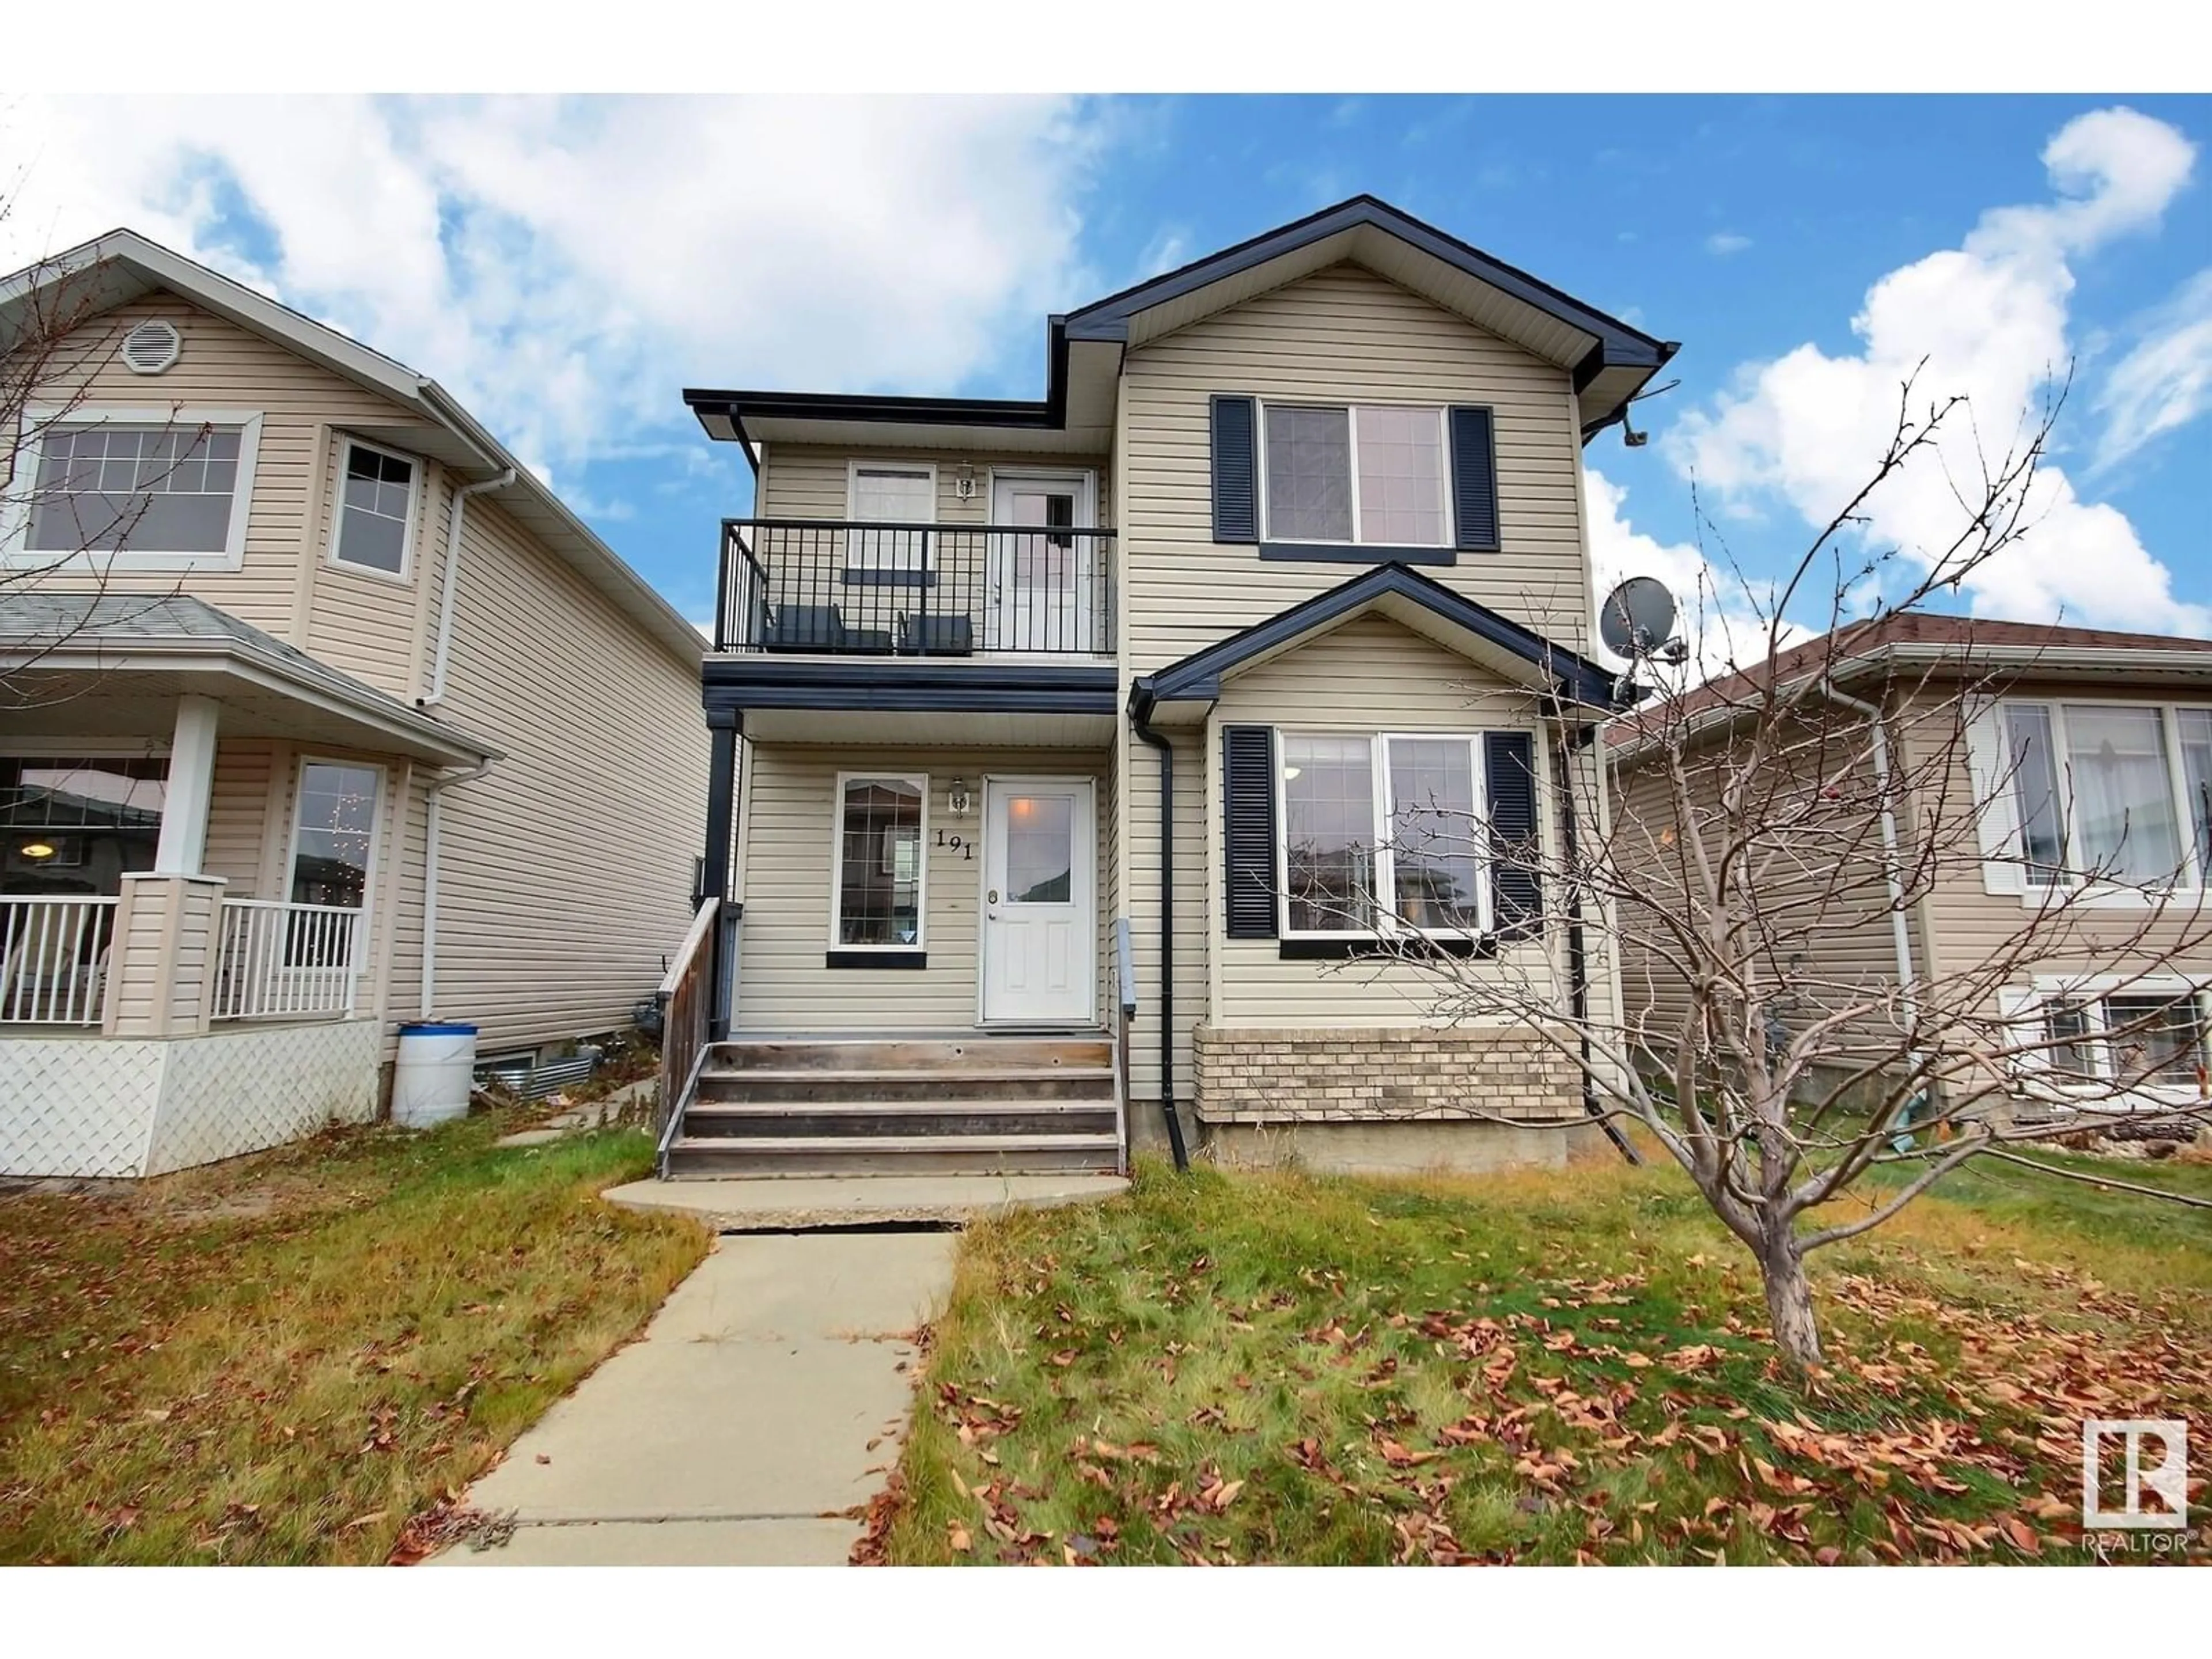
{"x":284,"y":1358}
{"x":1537,"y":1367}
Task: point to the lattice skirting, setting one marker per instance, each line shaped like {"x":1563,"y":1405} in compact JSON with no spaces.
{"x":84,"y":1106}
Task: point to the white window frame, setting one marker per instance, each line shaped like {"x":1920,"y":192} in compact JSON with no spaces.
{"x":1385,"y":868}
{"x":2090,"y":991}
{"x":857,"y":544}
{"x":15,"y":531}
{"x":355,"y":763}
{"x":347,"y":443}
{"x":921,"y":781}
{"x":2068,"y":880}
{"x":1351,"y":408}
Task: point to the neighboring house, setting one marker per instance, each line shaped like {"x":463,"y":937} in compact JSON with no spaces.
{"x":319,"y":715}
{"x":2036,"y":758}
{"x":1292,"y":549}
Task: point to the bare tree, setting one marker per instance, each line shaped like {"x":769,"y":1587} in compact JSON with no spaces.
{"x":1773,"y":837}
{"x":61,"y":528}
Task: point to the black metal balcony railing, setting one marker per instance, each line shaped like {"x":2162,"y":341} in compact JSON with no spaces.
{"x":823,"y":586}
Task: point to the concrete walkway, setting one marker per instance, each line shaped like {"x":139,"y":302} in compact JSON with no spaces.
{"x":768,"y":1397}
{"x":744,"y":1204}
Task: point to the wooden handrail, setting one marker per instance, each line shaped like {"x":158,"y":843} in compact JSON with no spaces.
{"x":686,"y":998}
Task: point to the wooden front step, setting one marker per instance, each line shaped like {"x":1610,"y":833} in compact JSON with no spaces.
{"x":789,"y":1106}
{"x":715,"y":1120}
{"x":805,"y":1154}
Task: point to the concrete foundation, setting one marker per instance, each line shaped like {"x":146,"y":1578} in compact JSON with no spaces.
{"x":1403,"y":1148}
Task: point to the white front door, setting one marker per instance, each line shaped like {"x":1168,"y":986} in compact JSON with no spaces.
{"x":1039,"y":836}
{"x":1041,"y":580}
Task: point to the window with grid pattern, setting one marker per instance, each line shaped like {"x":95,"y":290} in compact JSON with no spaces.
{"x":378,"y":502}
{"x":109,"y":487}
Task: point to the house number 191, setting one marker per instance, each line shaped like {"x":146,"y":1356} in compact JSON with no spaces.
{"x":966,"y":849}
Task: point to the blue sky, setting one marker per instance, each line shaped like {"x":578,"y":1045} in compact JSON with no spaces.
{"x":567,"y":267}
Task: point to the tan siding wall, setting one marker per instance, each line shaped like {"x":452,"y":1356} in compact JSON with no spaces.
{"x":566,"y":871}
{"x":1839,"y":946}
{"x":1340,"y":335}
{"x":1368,"y":675}
{"x":246,"y":774}
{"x":223,"y":366}
{"x":783,"y":984}
{"x":804,"y":482}
{"x":1971,"y":926}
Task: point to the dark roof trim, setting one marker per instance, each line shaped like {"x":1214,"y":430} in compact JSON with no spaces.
{"x":1049,"y":414}
{"x":1198,"y":676}
{"x":910,"y":685}
{"x":1623,"y":345}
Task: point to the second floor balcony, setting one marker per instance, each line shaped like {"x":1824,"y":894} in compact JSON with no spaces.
{"x":833,"y":588}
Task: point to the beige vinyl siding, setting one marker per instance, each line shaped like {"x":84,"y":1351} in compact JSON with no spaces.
{"x":1832,"y":923}
{"x":363,"y":623}
{"x":247,"y":772}
{"x":1340,"y":336}
{"x":223,"y":366}
{"x":784,"y":983}
{"x":803,"y":481}
{"x":1368,"y":675}
{"x":1971,"y":926}
{"x":565,"y":870}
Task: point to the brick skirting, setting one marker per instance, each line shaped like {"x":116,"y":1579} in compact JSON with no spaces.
{"x":1367,"y":1074}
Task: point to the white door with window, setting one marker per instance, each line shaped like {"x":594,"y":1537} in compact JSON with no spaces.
{"x":1037,"y":953}
{"x":1043,"y":580}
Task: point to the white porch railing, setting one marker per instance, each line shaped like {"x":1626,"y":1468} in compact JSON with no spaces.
{"x":54,"y":959}
{"x":279,"y":961}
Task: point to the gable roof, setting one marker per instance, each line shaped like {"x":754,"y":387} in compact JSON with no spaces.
{"x":1610,"y":361}
{"x":122,"y":266}
{"x":1402,"y":593}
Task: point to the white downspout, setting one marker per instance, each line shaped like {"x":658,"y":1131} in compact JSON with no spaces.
{"x":432,"y":791}
{"x":1893,"y":870}
{"x":436,"y":693}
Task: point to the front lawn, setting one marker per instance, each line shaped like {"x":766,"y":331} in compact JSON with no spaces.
{"x":1542,"y":1367}
{"x":284,"y":1358}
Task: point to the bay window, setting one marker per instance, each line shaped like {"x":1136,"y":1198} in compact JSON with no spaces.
{"x":1380,"y":832}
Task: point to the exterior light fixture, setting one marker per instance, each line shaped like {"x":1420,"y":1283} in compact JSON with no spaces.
{"x":37,"y":849}
{"x":958,"y":799}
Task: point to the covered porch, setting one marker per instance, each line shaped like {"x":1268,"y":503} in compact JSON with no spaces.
{"x":201,"y":830}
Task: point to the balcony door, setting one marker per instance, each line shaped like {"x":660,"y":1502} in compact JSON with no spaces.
{"x":1043,"y":581}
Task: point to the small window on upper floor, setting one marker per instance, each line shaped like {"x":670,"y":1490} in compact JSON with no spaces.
{"x":376,"y":509}
{"x":889,"y":493}
{"x":1366,"y":473}
{"x":163,"y":493}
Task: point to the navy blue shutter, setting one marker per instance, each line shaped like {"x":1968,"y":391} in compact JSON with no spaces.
{"x":1236,"y":474}
{"x":1474,"y":480}
{"x":1248,"y":836}
{"x":1509,"y":771}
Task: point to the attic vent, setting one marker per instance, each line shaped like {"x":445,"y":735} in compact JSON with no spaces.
{"x":152,"y":347}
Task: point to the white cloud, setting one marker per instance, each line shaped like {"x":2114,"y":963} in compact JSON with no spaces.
{"x":566,"y":266}
{"x":2164,"y":381}
{"x":1720,"y":615}
{"x":1990,"y":318}
{"x":1722,"y":243}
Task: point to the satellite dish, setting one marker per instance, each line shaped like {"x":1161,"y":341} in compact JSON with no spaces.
{"x":1638,"y":618}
